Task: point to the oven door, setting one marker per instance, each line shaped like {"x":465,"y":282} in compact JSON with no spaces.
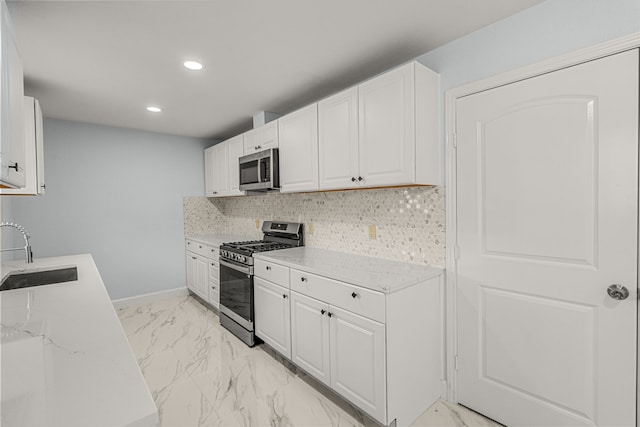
{"x":236,"y":293}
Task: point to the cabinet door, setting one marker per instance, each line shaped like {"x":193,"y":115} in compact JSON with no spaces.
{"x":338,"y":141}
{"x":235,"y":151}
{"x":310,"y":336}
{"x":358,"y":361}
{"x":262,"y":138}
{"x":191,"y":271}
{"x":299,"y":150}
{"x":209,"y":172}
{"x":221,"y":169}
{"x":202,"y":277}
{"x":387,"y":128}
{"x":34,"y":151}
{"x":273,"y":315}
{"x":12,"y":142}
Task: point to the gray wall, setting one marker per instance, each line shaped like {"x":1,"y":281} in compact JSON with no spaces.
{"x":117,"y":194}
{"x":548,"y":29}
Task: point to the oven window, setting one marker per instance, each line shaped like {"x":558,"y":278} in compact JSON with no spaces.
{"x":249,"y":172}
{"x":236,"y":292}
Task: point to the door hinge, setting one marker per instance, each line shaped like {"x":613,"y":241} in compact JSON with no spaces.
{"x":455,"y":362}
{"x":456,"y":252}
{"x":454,"y":140}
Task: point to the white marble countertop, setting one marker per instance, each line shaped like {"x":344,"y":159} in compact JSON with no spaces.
{"x":65,"y":358}
{"x":216,"y":239}
{"x":372,"y":273}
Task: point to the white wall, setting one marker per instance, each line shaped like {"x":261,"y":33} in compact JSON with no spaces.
{"x":117,"y":194}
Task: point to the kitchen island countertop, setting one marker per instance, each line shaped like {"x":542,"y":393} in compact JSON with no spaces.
{"x":65,"y":358}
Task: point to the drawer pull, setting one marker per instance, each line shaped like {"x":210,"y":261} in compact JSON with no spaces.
{"x":323,"y":311}
{"x":193,"y":257}
{"x":303,"y":279}
{"x":284,"y":296}
{"x":268,"y":268}
{"x":188,"y":243}
{"x":330,"y":314}
{"x":354,"y":295}
{"x":200,"y":246}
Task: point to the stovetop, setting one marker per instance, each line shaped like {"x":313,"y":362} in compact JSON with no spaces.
{"x":253,"y":246}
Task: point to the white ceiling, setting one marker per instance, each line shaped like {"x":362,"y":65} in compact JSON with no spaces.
{"x":105,"y":61}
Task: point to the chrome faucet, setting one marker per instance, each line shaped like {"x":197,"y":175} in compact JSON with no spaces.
{"x":25,"y":235}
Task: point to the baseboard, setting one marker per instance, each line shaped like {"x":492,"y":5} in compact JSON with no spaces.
{"x":146,"y":298}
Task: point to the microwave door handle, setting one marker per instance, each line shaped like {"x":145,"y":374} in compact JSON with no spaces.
{"x":260,"y":170}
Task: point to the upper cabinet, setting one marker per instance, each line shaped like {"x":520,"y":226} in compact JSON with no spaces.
{"x":384,"y":132}
{"x":261,"y":138}
{"x":235,"y":151}
{"x":339,"y":162}
{"x":12,"y":141}
{"x":216,"y":170}
{"x":34,"y":151}
{"x":299,"y":150}
{"x":221,"y":168}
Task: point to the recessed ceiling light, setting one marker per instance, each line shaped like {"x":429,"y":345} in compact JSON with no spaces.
{"x":193,"y":65}
{"x":153,"y":109}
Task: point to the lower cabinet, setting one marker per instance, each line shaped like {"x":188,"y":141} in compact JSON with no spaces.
{"x":203,"y":271}
{"x":310,"y":336}
{"x":380,"y":351}
{"x":272,"y":319}
{"x":341,"y":349}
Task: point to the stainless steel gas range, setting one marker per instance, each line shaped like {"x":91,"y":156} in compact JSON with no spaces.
{"x":236,"y":275}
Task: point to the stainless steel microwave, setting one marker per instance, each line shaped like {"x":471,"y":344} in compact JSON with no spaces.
{"x":259,"y":171}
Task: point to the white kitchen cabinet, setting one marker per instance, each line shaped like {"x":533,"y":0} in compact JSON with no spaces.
{"x":272,"y":315}
{"x":298,"y":143}
{"x":398,"y":127}
{"x":12,"y":140}
{"x":358,"y":365}
{"x":34,"y":151}
{"x":338,"y":156}
{"x":235,"y":150}
{"x":203,"y":271}
{"x":369,"y":329}
{"x":261,"y":138}
{"x":310,"y":346}
{"x":197,"y":275}
{"x":222,"y":175}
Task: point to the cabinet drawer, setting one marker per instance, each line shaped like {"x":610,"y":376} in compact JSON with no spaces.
{"x":201,"y":249}
{"x":214,"y":271}
{"x":214,"y":293}
{"x":356,"y":299}
{"x":275,"y":273}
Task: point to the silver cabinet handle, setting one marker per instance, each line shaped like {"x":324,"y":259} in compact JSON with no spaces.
{"x":268,"y":267}
{"x":353,"y":179}
{"x":618,"y":292}
{"x":303,"y":279}
{"x":284,"y":296}
{"x":354,"y":295}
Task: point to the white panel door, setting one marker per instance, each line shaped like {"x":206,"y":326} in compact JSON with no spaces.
{"x":547,"y":220}
{"x":191,"y":271}
{"x":310,"y":336}
{"x":235,"y":147}
{"x":338,"y":141}
{"x":273,"y":315}
{"x":358,"y":361}
{"x":386,"y":112}
{"x":299,"y":150}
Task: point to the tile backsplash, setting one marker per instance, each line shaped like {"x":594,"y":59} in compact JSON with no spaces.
{"x":408,"y":223}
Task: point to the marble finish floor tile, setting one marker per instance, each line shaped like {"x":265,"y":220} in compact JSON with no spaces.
{"x":199,"y":374}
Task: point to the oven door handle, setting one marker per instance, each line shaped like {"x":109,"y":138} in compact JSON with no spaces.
{"x":240,"y":268}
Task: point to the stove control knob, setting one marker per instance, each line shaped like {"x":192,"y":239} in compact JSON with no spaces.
{"x":242,"y":258}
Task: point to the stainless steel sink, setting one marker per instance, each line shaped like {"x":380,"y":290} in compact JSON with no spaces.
{"x":27,"y":279}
